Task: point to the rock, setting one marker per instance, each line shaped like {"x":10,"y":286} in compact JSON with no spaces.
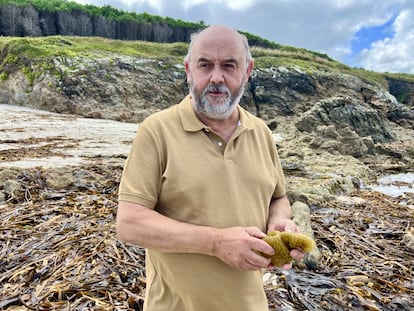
{"x":339,"y":124}
{"x":403,"y":90}
{"x":301,"y":216}
{"x":12,"y":189}
{"x":343,"y":141}
{"x":3,"y":198}
{"x":59,"y":179}
{"x":408,"y":239}
{"x":349,"y":115}
{"x":7,"y":173}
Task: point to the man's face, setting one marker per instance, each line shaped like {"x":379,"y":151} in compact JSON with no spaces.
{"x":216,"y":107}
{"x":217,"y":73}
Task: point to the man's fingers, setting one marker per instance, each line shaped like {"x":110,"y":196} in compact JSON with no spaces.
{"x":255,"y":232}
{"x":258,"y":261}
{"x":296,"y":253}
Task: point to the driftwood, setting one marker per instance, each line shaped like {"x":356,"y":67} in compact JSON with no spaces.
{"x":58,"y":250}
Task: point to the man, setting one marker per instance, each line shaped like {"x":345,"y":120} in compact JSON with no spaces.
{"x":202,"y":184}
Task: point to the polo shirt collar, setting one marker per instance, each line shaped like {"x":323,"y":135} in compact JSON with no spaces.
{"x":192,"y":124}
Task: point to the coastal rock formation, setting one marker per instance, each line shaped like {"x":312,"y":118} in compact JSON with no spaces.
{"x":325,"y":123}
{"x":405,"y":90}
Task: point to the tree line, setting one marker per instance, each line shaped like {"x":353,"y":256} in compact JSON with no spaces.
{"x":61,"y":17}
{"x":35,"y":18}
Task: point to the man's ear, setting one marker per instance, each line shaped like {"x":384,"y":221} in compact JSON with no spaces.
{"x":249,"y":68}
{"x":187,"y":71}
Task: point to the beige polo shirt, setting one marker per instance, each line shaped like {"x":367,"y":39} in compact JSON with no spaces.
{"x":182,"y":169}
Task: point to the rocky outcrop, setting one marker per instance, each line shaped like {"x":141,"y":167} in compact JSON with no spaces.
{"x":345,"y":125}
{"x":120,"y":87}
{"x":323,"y":114}
{"x":333,"y":130}
{"x":336,"y":107}
{"x":403,"y":90}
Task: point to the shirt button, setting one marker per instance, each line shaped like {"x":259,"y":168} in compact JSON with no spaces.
{"x":206,"y":130}
{"x":219,"y":143}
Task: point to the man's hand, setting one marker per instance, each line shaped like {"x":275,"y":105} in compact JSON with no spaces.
{"x":283,"y":224}
{"x":287,"y":225}
{"x":239,"y":247}
{"x":280,"y":214}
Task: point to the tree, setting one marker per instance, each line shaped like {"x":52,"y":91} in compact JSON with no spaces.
{"x":9,"y":20}
{"x":30,"y":22}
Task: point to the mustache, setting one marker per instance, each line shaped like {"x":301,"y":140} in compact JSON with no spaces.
{"x":216,"y":88}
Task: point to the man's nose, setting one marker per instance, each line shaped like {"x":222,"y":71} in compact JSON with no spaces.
{"x":217,"y":75}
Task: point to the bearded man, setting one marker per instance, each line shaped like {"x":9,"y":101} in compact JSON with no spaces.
{"x":201,"y":186}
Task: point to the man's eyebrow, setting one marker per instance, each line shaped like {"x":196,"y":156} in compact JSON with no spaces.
{"x":203,"y":59}
{"x":228,"y":60}
{"x":231,"y":60}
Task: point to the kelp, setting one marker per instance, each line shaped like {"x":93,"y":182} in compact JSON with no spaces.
{"x":59,"y":250}
{"x":366,"y":262}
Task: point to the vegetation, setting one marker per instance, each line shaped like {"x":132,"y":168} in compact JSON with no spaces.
{"x":17,"y":51}
{"x":44,"y":47}
{"x":119,"y":15}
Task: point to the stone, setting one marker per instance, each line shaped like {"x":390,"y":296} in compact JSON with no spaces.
{"x":12,"y":188}
{"x":59,"y":180}
{"x":408,"y":239}
{"x":301,"y":216}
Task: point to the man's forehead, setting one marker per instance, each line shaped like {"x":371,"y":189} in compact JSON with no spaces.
{"x":220,"y":38}
{"x":213,"y":49}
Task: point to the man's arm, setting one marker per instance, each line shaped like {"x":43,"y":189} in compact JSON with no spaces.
{"x":236,"y":246}
{"x":280,"y":214}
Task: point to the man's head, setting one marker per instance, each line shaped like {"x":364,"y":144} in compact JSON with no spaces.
{"x":218,"y":65}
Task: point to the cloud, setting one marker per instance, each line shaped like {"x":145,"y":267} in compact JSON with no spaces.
{"x":326,"y":26}
{"x":394,"y":54}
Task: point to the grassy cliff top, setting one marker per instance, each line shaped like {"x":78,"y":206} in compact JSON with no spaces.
{"x":15,"y":49}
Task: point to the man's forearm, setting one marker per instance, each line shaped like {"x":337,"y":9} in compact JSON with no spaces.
{"x":239,"y":247}
{"x":147,"y":228}
{"x":280,"y":209}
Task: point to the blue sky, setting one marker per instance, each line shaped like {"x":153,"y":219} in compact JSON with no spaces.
{"x":372,"y":34}
{"x":366,"y":36}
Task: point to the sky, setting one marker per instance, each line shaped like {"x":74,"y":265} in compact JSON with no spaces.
{"x":375,"y":35}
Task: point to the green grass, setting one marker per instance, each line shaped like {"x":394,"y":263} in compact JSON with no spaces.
{"x":17,"y":52}
{"x":42,"y":47}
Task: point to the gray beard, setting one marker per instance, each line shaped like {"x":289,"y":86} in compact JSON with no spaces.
{"x":216,"y":111}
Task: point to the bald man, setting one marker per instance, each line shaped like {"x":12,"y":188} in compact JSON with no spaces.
{"x":201,"y":186}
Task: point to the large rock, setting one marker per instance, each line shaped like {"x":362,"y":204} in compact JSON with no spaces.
{"x":346,"y":112}
{"x":403,"y":90}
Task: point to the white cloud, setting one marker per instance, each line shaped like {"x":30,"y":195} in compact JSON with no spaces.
{"x":393,"y":54}
{"x":239,"y":5}
{"x":326,"y":26}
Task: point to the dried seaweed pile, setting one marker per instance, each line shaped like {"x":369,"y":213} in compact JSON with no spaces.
{"x":59,"y":251}
{"x":367,"y":263}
